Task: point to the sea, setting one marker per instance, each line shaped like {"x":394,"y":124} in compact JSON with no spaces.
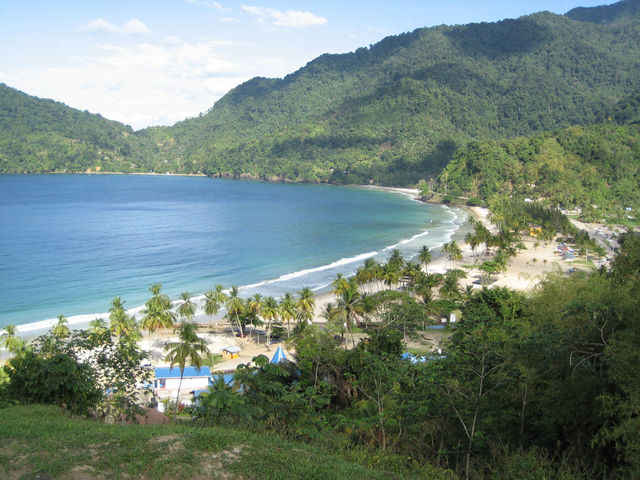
{"x":69,"y":244}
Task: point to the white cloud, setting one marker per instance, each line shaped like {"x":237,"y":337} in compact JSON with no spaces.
{"x":146,"y":84}
{"x":100,"y":25}
{"x":171,"y":40}
{"x":135,"y":27}
{"x":209,"y":4}
{"x":288,"y":19}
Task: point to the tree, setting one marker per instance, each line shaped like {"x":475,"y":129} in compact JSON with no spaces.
{"x":425,"y":256}
{"x":187,"y":308}
{"x":472,"y":240}
{"x":98,"y":326}
{"x":389,"y":275}
{"x":395,"y":260}
{"x":450,"y":288}
{"x":213,"y":299}
{"x":10,"y":339}
{"x":58,"y":379}
{"x":157,"y":314}
{"x":287,"y":310}
{"x":270,"y":313}
{"x":305,"y":305}
{"x":454,"y":254}
{"x":189,"y":348}
{"x":235,"y":307}
{"x":61,"y":330}
{"x":350,"y":302}
{"x":339,"y":284}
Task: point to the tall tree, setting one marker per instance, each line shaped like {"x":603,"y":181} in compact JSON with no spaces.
{"x":305,"y":305}
{"x":270,"y":312}
{"x":425,"y":257}
{"x":288,"y":310}
{"x":10,"y":339}
{"x":189,"y":348}
{"x":235,"y":307}
{"x":213,"y":300}
{"x":350,"y":302}
{"x":187,"y":308}
{"x":61,"y":330}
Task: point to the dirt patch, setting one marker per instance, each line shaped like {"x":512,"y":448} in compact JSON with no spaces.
{"x":151,"y":416}
{"x":166,"y":438}
{"x":83,"y":472}
{"x":214,"y":464}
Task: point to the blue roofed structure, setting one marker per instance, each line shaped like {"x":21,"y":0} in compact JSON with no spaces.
{"x":279,"y":356}
{"x":174,"y":372}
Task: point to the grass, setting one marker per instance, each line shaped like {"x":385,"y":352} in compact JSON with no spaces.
{"x":47,"y":442}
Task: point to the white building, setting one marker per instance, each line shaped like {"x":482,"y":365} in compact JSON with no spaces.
{"x":167,"y":380}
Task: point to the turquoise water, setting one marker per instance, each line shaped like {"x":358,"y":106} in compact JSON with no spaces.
{"x":70,"y":243}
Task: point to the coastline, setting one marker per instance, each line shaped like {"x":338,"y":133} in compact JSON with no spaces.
{"x":526,"y":270}
{"x":78,"y":321}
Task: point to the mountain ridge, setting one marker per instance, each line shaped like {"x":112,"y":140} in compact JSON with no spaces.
{"x":394,"y":112}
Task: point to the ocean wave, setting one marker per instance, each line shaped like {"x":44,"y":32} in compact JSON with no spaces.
{"x":307,"y":271}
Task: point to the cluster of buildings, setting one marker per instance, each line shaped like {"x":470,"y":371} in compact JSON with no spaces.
{"x":192,"y":381}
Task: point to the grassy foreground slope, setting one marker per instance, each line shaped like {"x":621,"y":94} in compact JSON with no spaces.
{"x":46,"y":442}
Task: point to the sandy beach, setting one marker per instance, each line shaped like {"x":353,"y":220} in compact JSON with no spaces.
{"x":524,"y":272}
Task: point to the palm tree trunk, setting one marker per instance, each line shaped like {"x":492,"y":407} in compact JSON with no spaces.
{"x":175,"y":411}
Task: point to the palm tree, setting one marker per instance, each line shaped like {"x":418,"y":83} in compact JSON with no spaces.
{"x":61,"y":330}
{"x":189,"y":348}
{"x":339,"y":284}
{"x":472,"y":240}
{"x":157,"y":314}
{"x":450,"y":288}
{"x":187,"y":308}
{"x":98,"y":326}
{"x":288,"y":310}
{"x":160,"y":304}
{"x":350,"y":302}
{"x":395,"y":260}
{"x":254,"y":308}
{"x":235,"y":307}
{"x":10,"y":339}
{"x":122,"y":325}
{"x":389,"y":274}
{"x":305,"y":305}
{"x":454,"y":254}
{"x":270,"y":312}
{"x":425,"y":256}
{"x":213,"y":299}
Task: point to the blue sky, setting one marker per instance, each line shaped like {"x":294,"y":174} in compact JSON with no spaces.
{"x":146,"y":62}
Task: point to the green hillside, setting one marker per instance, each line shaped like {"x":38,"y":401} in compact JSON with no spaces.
{"x":392,"y":113}
{"x":595,"y":169}
{"x":395,"y":112}
{"x":39,"y":135}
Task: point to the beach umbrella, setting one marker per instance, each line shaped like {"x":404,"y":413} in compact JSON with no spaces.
{"x":279,"y":355}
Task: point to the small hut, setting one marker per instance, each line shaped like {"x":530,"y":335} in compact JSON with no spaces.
{"x":229,"y":353}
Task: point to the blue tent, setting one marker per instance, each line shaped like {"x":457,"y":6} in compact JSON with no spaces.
{"x":279,"y":355}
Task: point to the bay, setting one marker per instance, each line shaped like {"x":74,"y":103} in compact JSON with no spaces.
{"x":70,"y":243}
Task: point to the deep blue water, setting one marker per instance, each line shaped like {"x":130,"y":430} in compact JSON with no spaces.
{"x":70,"y":243}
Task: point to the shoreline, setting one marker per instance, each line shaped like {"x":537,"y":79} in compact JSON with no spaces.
{"x":36,"y":328}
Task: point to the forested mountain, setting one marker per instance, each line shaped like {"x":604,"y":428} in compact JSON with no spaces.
{"x":395,"y":112}
{"x":39,"y":135}
{"x":595,"y":169}
{"x":392,"y":113}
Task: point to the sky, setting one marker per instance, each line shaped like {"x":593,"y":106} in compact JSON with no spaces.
{"x":155,"y":62}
